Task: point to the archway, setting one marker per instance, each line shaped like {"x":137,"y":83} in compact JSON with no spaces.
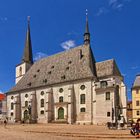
{"x":61,"y":113}
{"x":26,"y":116}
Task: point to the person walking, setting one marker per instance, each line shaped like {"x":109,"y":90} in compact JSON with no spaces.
{"x":5,"y":123}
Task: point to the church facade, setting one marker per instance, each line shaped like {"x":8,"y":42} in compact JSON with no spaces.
{"x":68,"y":87}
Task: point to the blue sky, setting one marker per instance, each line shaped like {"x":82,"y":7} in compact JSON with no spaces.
{"x":57,"y":25}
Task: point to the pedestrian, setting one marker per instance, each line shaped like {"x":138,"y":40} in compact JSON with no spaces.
{"x":137,"y":128}
{"x":5,"y":123}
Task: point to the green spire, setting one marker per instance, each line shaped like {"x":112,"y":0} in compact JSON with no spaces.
{"x":27,"y":56}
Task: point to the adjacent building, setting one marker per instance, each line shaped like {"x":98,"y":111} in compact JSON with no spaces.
{"x":136,"y":98}
{"x":2,"y":106}
{"x":129,"y":111}
{"x":67,"y":87}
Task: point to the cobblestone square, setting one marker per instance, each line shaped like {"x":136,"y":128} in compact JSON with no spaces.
{"x":61,"y":132}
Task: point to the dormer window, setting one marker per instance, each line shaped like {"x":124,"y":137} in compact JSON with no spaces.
{"x":29,"y":84}
{"x":69,"y":62}
{"x":63,"y":77}
{"x":52,"y":67}
{"x":49,"y":72}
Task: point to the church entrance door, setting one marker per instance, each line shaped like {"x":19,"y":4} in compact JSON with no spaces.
{"x":26,"y":117}
{"x":61,"y":113}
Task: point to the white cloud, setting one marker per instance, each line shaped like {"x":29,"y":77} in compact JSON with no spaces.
{"x":39,"y":55}
{"x":68,"y":44}
{"x":134,"y":67}
{"x":1,"y":91}
{"x":124,"y":74}
{"x":102,"y":10}
{"x":116,"y":4}
{"x":112,"y":5}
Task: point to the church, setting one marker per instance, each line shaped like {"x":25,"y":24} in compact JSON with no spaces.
{"x":68,"y":87}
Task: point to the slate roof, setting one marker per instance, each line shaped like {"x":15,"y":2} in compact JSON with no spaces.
{"x":107,"y":68}
{"x":74,"y":64}
{"x":136,"y":82}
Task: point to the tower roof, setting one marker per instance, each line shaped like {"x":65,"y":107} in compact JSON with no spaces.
{"x":87,"y":34}
{"x":27,"y":56}
{"x":136,"y":83}
{"x":87,"y":27}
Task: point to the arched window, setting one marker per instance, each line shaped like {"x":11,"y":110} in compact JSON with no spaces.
{"x":82,"y":99}
{"x":12,"y":106}
{"x":60,"y":99}
{"x":42,"y":112}
{"x":26,"y":103}
{"x":82,"y":109}
{"x":42,"y":102}
{"x":12,"y":113}
{"x":20,"y":71}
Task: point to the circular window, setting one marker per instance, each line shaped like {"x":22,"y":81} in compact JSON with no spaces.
{"x":82,"y":87}
{"x":26,"y":95}
{"x":42,"y":92}
{"x":12,"y":97}
{"x":61,"y":90}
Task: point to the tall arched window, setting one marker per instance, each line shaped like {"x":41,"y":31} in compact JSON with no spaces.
{"x":60,"y":99}
{"x":12,"y":106}
{"x":82,"y":99}
{"x":20,"y":71}
{"x":26,"y":103}
{"x":42,"y":102}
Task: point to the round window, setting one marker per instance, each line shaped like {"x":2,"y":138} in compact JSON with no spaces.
{"x":61,"y":90}
{"x":42,"y":92}
{"x":82,"y":87}
{"x":26,"y":95}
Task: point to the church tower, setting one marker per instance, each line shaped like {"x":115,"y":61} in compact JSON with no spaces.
{"x":27,"y":59}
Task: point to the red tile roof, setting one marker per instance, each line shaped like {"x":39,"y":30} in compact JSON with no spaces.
{"x":2,"y":96}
